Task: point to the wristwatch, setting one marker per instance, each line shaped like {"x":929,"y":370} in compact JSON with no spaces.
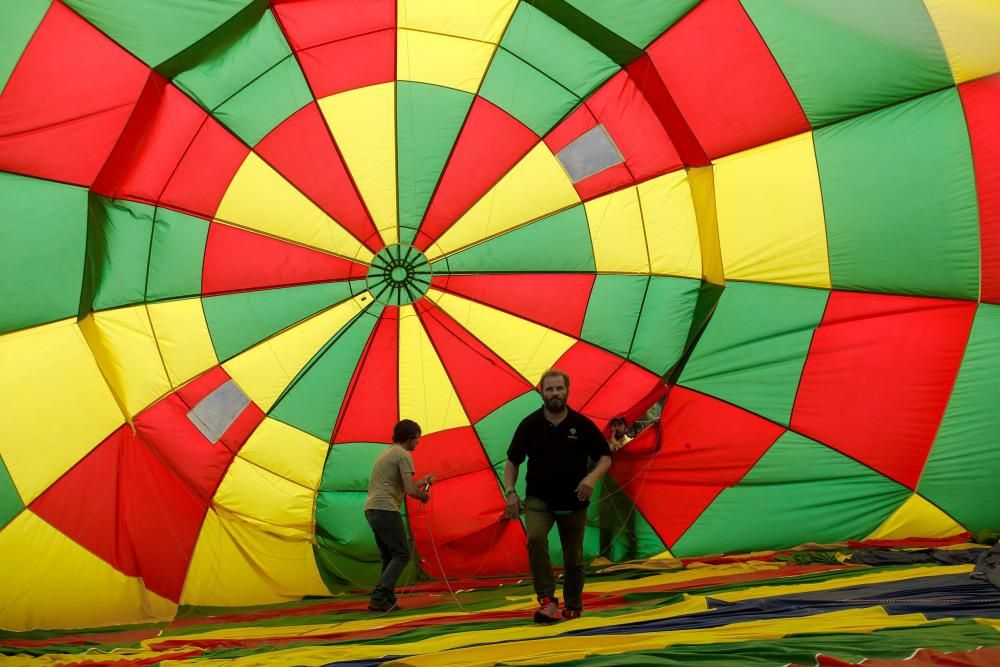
{"x":509,"y":491}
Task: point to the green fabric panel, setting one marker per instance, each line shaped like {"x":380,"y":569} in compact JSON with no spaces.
{"x":18,"y":21}
{"x":616,"y":526}
{"x":313,"y":400}
{"x":10,"y":500}
{"x":845,"y":59}
{"x":613,"y":312}
{"x":345,"y":551}
{"x":638,"y":21}
{"x":961,"y":473}
{"x":525,"y":93}
{"x":155,"y":30}
{"x":899,"y":194}
{"x":120,"y":233}
{"x":583,"y":25}
{"x":43,"y":237}
{"x":428,"y":119}
{"x":497,"y":428}
{"x":665,"y":322}
{"x":554,"y":244}
{"x":753,"y":349}
{"x":176,"y":256}
{"x":239,"y":321}
{"x":819,"y":494}
{"x":553,"y":49}
{"x":853,"y":647}
{"x":266,"y":102}
{"x":224,"y":64}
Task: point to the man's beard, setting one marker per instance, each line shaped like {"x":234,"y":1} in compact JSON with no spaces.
{"x":555,"y":404}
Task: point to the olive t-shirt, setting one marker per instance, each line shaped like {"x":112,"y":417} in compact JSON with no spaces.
{"x":386,"y":490}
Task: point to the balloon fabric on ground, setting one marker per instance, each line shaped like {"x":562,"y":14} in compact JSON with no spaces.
{"x":240,"y":239}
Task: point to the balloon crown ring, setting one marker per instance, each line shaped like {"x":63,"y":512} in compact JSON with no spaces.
{"x":399,"y":274}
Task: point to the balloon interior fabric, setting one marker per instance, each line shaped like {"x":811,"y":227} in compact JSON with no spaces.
{"x":240,"y":239}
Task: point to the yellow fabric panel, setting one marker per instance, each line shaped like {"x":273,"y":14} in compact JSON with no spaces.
{"x":617,"y":233}
{"x":124,"y":345}
{"x":564,"y":649}
{"x":50,"y":581}
{"x":917,"y":518}
{"x":266,"y":501}
{"x":771,"y":223}
{"x":442,"y":60}
{"x":671,"y":225}
{"x":54,"y":400}
{"x":364,"y":123}
{"x":263,"y":371}
{"x":286,"y":451}
{"x":841,"y":582}
{"x":238,"y":563}
{"x":183,"y":338}
{"x":970,"y":32}
{"x":259,"y":198}
{"x":484,"y":20}
{"x":426,"y":394}
{"x":534,"y":188}
{"x":529,"y":348}
{"x":702,"y":181}
{"x":685,"y":575}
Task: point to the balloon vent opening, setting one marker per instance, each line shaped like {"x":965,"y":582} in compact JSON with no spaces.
{"x":399,"y":274}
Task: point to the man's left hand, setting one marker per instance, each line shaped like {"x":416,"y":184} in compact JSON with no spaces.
{"x":584,"y":489}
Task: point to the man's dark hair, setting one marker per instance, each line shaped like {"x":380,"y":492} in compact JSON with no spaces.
{"x":619,"y":420}
{"x":554,"y":372}
{"x":404,"y":430}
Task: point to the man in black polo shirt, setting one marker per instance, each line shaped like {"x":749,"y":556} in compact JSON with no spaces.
{"x":558,"y":443}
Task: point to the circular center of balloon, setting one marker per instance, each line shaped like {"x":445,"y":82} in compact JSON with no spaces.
{"x":399,"y":274}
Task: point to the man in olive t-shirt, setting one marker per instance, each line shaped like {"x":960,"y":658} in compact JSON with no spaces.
{"x":392,"y":479}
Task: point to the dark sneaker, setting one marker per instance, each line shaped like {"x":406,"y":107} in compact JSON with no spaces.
{"x":570,"y":614}
{"x":548,"y":611}
{"x":382,"y":605}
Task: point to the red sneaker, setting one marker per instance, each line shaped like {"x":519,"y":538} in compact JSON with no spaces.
{"x":570,"y":614}
{"x":548,"y":611}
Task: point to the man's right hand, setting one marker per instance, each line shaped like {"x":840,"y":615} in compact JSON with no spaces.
{"x":513,"y":506}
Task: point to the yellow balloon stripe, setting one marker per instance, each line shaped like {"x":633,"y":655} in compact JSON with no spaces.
{"x":534,"y":188}
{"x":426,"y":394}
{"x":917,"y":517}
{"x":363,"y":122}
{"x":969,"y":30}
{"x":286,"y":451}
{"x":617,"y":233}
{"x":82,"y":591}
{"x":441,"y":59}
{"x":263,"y":371}
{"x":183,"y":338}
{"x":529,"y":348}
{"x":259,"y":198}
{"x":771,"y":223}
{"x":668,"y":214}
{"x":483,"y":20}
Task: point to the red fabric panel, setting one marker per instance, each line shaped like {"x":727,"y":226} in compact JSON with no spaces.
{"x":706,"y":445}
{"x":725,"y":81}
{"x":603,"y":182}
{"x":482,"y":380}
{"x":303,"y":151}
{"x":238,"y":260}
{"x":124,"y":504}
{"x":878,"y":377}
{"x":309,"y":23}
{"x":371,"y":408}
{"x":981,"y":100}
{"x":161,"y":128}
{"x":556,"y":300}
{"x":206,"y":170}
{"x":461,"y":531}
{"x":491,"y":142}
{"x":624,"y":390}
{"x":637,"y":130}
{"x":588,"y":367}
{"x":67,"y":100}
{"x":84,"y":503}
{"x":350,"y":63}
{"x":570,"y":129}
{"x":194,"y":391}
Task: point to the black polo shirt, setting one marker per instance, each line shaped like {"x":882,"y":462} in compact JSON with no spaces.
{"x":557,"y":456}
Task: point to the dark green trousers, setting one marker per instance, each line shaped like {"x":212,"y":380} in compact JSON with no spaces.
{"x":538,"y":520}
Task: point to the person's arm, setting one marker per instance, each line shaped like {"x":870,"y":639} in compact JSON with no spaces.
{"x":510,"y":471}
{"x":413,"y":490}
{"x":587,"y":484}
